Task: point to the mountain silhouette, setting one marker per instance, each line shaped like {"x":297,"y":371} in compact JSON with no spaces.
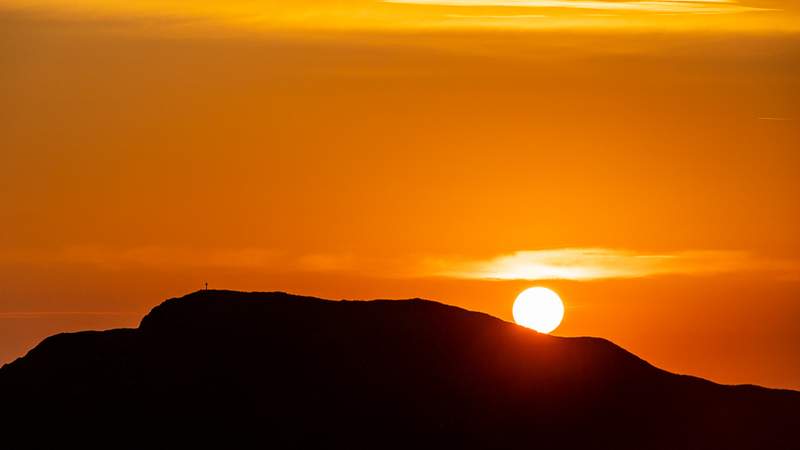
{"x":281,"y":371}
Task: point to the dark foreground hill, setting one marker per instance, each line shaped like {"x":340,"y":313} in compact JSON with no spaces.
{"x":272,"y":370}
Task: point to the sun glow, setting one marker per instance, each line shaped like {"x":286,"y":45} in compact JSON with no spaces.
{"x":538,"y":308}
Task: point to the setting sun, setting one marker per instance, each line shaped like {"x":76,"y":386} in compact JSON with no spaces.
{"x":538,"y":308}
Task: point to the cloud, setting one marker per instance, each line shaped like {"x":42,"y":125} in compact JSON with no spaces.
{"x":165,"y":257}
{"x":509,"y":17}
{"x":602,"y":263}
{"x":549,"y":264}
{"x":653,"y":6}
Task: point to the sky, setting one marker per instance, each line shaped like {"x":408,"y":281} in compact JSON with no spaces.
{"x":640,"y":158}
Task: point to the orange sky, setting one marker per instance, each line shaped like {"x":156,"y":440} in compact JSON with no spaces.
{"x":643,"y":164}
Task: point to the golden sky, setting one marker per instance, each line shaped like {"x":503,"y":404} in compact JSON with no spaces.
{"x":640,"y":158}
{"x":349,"y":15}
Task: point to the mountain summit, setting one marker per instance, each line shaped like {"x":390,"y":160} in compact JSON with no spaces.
{"x":278,"y":370}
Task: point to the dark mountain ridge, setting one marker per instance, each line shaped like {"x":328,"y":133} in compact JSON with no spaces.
{"x":288,"y":371}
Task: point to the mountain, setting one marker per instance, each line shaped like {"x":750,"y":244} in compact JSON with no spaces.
{"x":281,"y":371}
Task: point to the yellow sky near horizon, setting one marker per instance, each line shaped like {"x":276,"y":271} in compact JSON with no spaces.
{"x":644,"y":164}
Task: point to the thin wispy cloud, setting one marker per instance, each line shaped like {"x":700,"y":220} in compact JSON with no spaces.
{"x":495,"y":16}
{"x":669,"y":6}
{"x":549,"y":264}
{"x":261,"y":259}
{"x":602,"y":263}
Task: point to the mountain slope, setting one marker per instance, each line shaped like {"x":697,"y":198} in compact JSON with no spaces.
{"x":296,"y":371}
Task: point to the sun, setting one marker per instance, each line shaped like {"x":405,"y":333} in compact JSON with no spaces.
{"x":538,"y":308}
